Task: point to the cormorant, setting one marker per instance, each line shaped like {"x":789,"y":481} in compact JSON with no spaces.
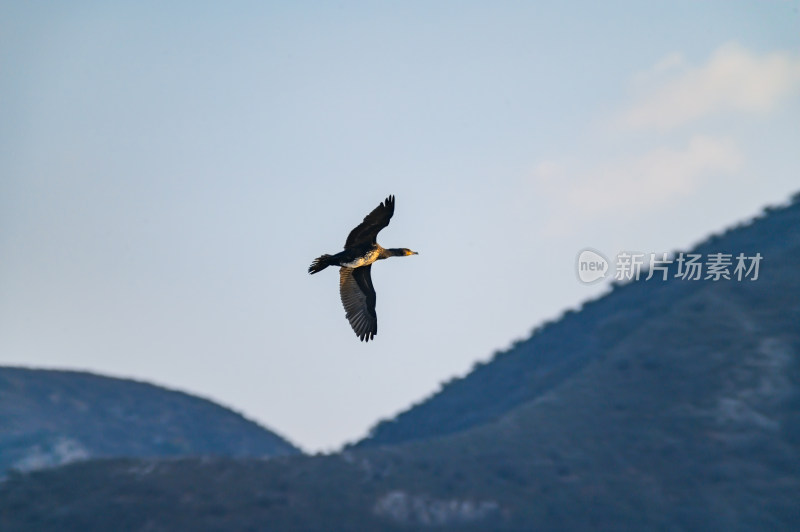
{"x":355,"y":282}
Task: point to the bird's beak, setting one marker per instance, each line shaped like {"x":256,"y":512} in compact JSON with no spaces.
{"x":412,"y":252}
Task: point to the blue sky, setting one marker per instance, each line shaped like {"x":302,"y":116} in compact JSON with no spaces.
{"x":167,"y":173}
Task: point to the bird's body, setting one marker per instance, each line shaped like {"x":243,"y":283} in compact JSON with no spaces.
{"x":365,"y":260}
{"x":355,"y":281}
{"x":362,"y":256}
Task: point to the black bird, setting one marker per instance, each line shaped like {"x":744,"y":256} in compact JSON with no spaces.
{"x":355,"y":281}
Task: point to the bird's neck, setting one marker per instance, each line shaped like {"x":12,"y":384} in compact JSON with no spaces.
{"x":392,"y":252}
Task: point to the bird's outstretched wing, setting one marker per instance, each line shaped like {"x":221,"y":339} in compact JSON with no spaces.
{"x":358,"y":298}
{"x":367,"y":231}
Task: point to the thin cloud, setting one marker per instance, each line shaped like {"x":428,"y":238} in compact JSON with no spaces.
{"x":733,"y":79}
{"x":656,"y":177}
{"x":655,"y":74}
{"x":634,"y":185}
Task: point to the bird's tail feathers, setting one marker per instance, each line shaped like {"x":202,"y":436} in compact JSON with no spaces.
{"x":319,"y":264}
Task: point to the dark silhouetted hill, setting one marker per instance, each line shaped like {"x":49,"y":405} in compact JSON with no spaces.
{"x":557,"y":351}
{"x":661,"y":406}
{"x":53,"y":417}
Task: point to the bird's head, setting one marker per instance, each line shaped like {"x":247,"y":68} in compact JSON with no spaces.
{"x":401,"y":252}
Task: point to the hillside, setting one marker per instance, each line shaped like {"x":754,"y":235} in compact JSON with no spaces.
{"x":661,"y":406}
{"x":557,"y":351}
{"x":55,"y":417}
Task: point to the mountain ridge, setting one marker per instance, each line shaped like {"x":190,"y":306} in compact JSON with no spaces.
{"x":558,"y":348}
{"x":52,"y":417}
{"x":678,"y":410}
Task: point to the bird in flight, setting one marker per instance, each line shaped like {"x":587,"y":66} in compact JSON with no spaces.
{"x":355,"y":282}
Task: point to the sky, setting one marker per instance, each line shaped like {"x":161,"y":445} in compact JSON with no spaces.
{"x":169,"y":171}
